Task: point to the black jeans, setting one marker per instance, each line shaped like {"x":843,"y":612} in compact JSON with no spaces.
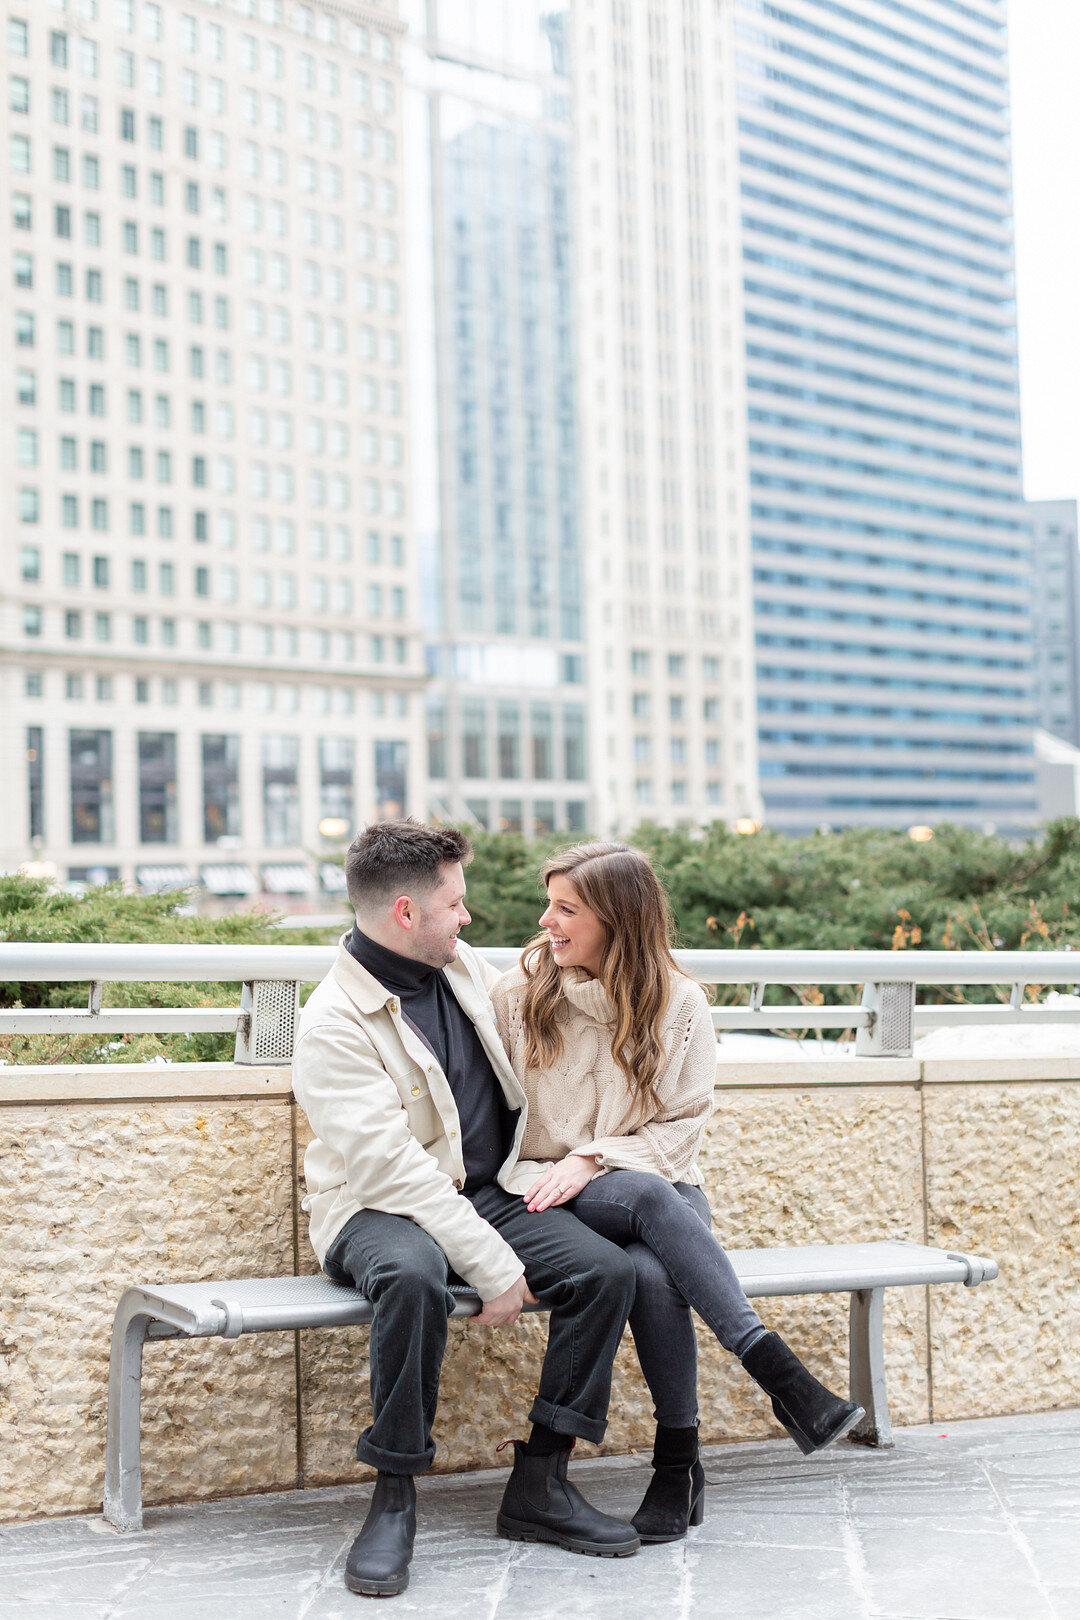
{"x":585,"y":1282}
{"x":678,"y":1265}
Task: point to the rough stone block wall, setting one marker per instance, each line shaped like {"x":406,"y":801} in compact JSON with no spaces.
{"x":1003,"y":1163}
{"x":94,"y":1197}
{"x":190,"y":1175}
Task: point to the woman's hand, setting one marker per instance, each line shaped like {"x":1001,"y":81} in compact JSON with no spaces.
{"x":562,"y":1182}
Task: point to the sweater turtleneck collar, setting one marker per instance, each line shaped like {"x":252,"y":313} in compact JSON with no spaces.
{"x":587,"y":995}
{"x":393,"y":971}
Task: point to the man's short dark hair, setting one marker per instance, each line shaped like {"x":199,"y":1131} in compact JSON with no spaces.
{"x":399,"y":857}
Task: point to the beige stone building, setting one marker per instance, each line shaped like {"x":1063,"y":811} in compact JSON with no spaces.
{"x":663,"y":476}
{"x":208,"y":636}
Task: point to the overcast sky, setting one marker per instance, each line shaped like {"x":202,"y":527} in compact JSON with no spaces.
{"x":1045,"y":42}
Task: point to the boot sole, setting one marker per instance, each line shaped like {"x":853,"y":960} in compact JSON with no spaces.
{"x":517,"y":1530}
{"x":808,"y":1447}
{"x":366,"y":1588}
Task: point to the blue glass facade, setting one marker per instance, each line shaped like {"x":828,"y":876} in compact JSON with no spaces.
{"x":492,"y":138}
{"x":893,"y":608}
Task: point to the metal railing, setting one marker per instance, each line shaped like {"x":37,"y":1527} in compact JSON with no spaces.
{"x":885,"y":1022}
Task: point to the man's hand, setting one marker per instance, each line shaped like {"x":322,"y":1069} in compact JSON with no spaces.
{"x":506,"y":1307}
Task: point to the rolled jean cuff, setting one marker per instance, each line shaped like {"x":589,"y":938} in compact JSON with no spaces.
{"x":394,"y":1462}
{"x":564,"y":1420}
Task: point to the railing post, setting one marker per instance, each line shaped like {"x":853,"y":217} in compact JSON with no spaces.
{"x":270,"y":1012}
{"x":891,"y":1029}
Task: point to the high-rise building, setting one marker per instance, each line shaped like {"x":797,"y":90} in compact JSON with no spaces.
{"x":891,"y":560}
{"x":493,"y":357}
{"x":1056,"y":538}
{"x":663,"y":468}
{"x":210,"y":640}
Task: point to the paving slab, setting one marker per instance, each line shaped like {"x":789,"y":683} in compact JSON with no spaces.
{"x":966,"y":1521}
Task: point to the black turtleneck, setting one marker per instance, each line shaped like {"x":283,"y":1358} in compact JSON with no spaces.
{"x":430,"y":1006}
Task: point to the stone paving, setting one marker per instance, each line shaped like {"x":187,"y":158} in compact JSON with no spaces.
{"x":966,"y":1521}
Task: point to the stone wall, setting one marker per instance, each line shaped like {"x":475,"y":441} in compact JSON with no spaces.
{"x":114,"y":1176}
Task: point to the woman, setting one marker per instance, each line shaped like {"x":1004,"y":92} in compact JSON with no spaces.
{"x":616,"y":1051}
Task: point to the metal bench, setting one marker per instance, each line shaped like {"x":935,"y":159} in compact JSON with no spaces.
{"x":280,"y":1304}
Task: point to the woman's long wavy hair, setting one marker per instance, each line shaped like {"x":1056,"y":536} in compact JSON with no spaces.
{"x":620,"y":886}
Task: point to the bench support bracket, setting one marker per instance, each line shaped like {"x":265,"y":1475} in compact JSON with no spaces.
{"x":866,"y":1350}
{"x":122,"y":1505}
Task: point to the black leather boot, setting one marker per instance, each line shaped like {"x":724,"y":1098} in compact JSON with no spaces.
{"x":810,"y":1413}
{"x":378,"y":1561}
{"x":675,"y":1498}
{"x":539,"y":1505}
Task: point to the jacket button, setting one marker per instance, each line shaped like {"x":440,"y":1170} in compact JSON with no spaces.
{"x":393,"y":1006}
{"x":416,"y":1091}
{"x":452,"y":1135}
{"x":459,"y":1185}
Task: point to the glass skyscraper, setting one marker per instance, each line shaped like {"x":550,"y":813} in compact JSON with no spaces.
{"x":493,"y":334}
{"x":892,"y":565}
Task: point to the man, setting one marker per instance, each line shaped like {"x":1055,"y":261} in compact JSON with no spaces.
{"x":416,"y":1111}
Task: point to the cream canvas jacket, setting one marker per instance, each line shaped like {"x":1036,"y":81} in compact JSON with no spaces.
{"x":387,"y":1132}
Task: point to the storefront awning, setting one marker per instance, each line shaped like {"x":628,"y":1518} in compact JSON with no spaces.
{"x":156,"y":879}
{"x":228,"y":879}
{"x":288,"y":878}
{"x":332,"y":877}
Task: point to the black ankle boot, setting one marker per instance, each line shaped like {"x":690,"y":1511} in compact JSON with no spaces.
{"x":810,"y":1413}
{"x":378,"y":1561}
{"x":675,"y":1498}
{"x":539,"y":1505}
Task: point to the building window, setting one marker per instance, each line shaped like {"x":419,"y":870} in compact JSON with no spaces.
{"x":336,"y":784}
{"x":91,"y":787}
{"x":574,"y":742}
{"x":508,"y":740}
{"x":436,"y":739}
{"x":281,"y":790}
{"x":511,"y":818}
{"x":221,"y":787}
{"x":157,"y":787}
{"x":391,"y":774}
{"x":474,"y":739}
{"x":35,"y":782}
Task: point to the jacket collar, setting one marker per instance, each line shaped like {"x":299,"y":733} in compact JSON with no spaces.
{"x":369,"y":994}
{"x":361,"y":987}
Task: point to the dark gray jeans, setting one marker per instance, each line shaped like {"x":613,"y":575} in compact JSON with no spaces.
{"x":585,"y":1282}
{"x":659,"y":1225}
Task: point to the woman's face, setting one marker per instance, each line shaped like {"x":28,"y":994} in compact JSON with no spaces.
{"x":577,"y":935}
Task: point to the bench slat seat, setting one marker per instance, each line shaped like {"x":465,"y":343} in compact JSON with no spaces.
{"x":280,"y":1304}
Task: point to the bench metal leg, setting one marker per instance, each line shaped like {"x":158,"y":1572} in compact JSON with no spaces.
{"x":122,"y":1505}
{"x":866,"y":1349}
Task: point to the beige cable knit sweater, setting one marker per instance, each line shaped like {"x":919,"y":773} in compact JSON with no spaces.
{"x":582,"y":1104}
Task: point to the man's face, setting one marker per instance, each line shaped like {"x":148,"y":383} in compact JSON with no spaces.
{"x":438,"y":916}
